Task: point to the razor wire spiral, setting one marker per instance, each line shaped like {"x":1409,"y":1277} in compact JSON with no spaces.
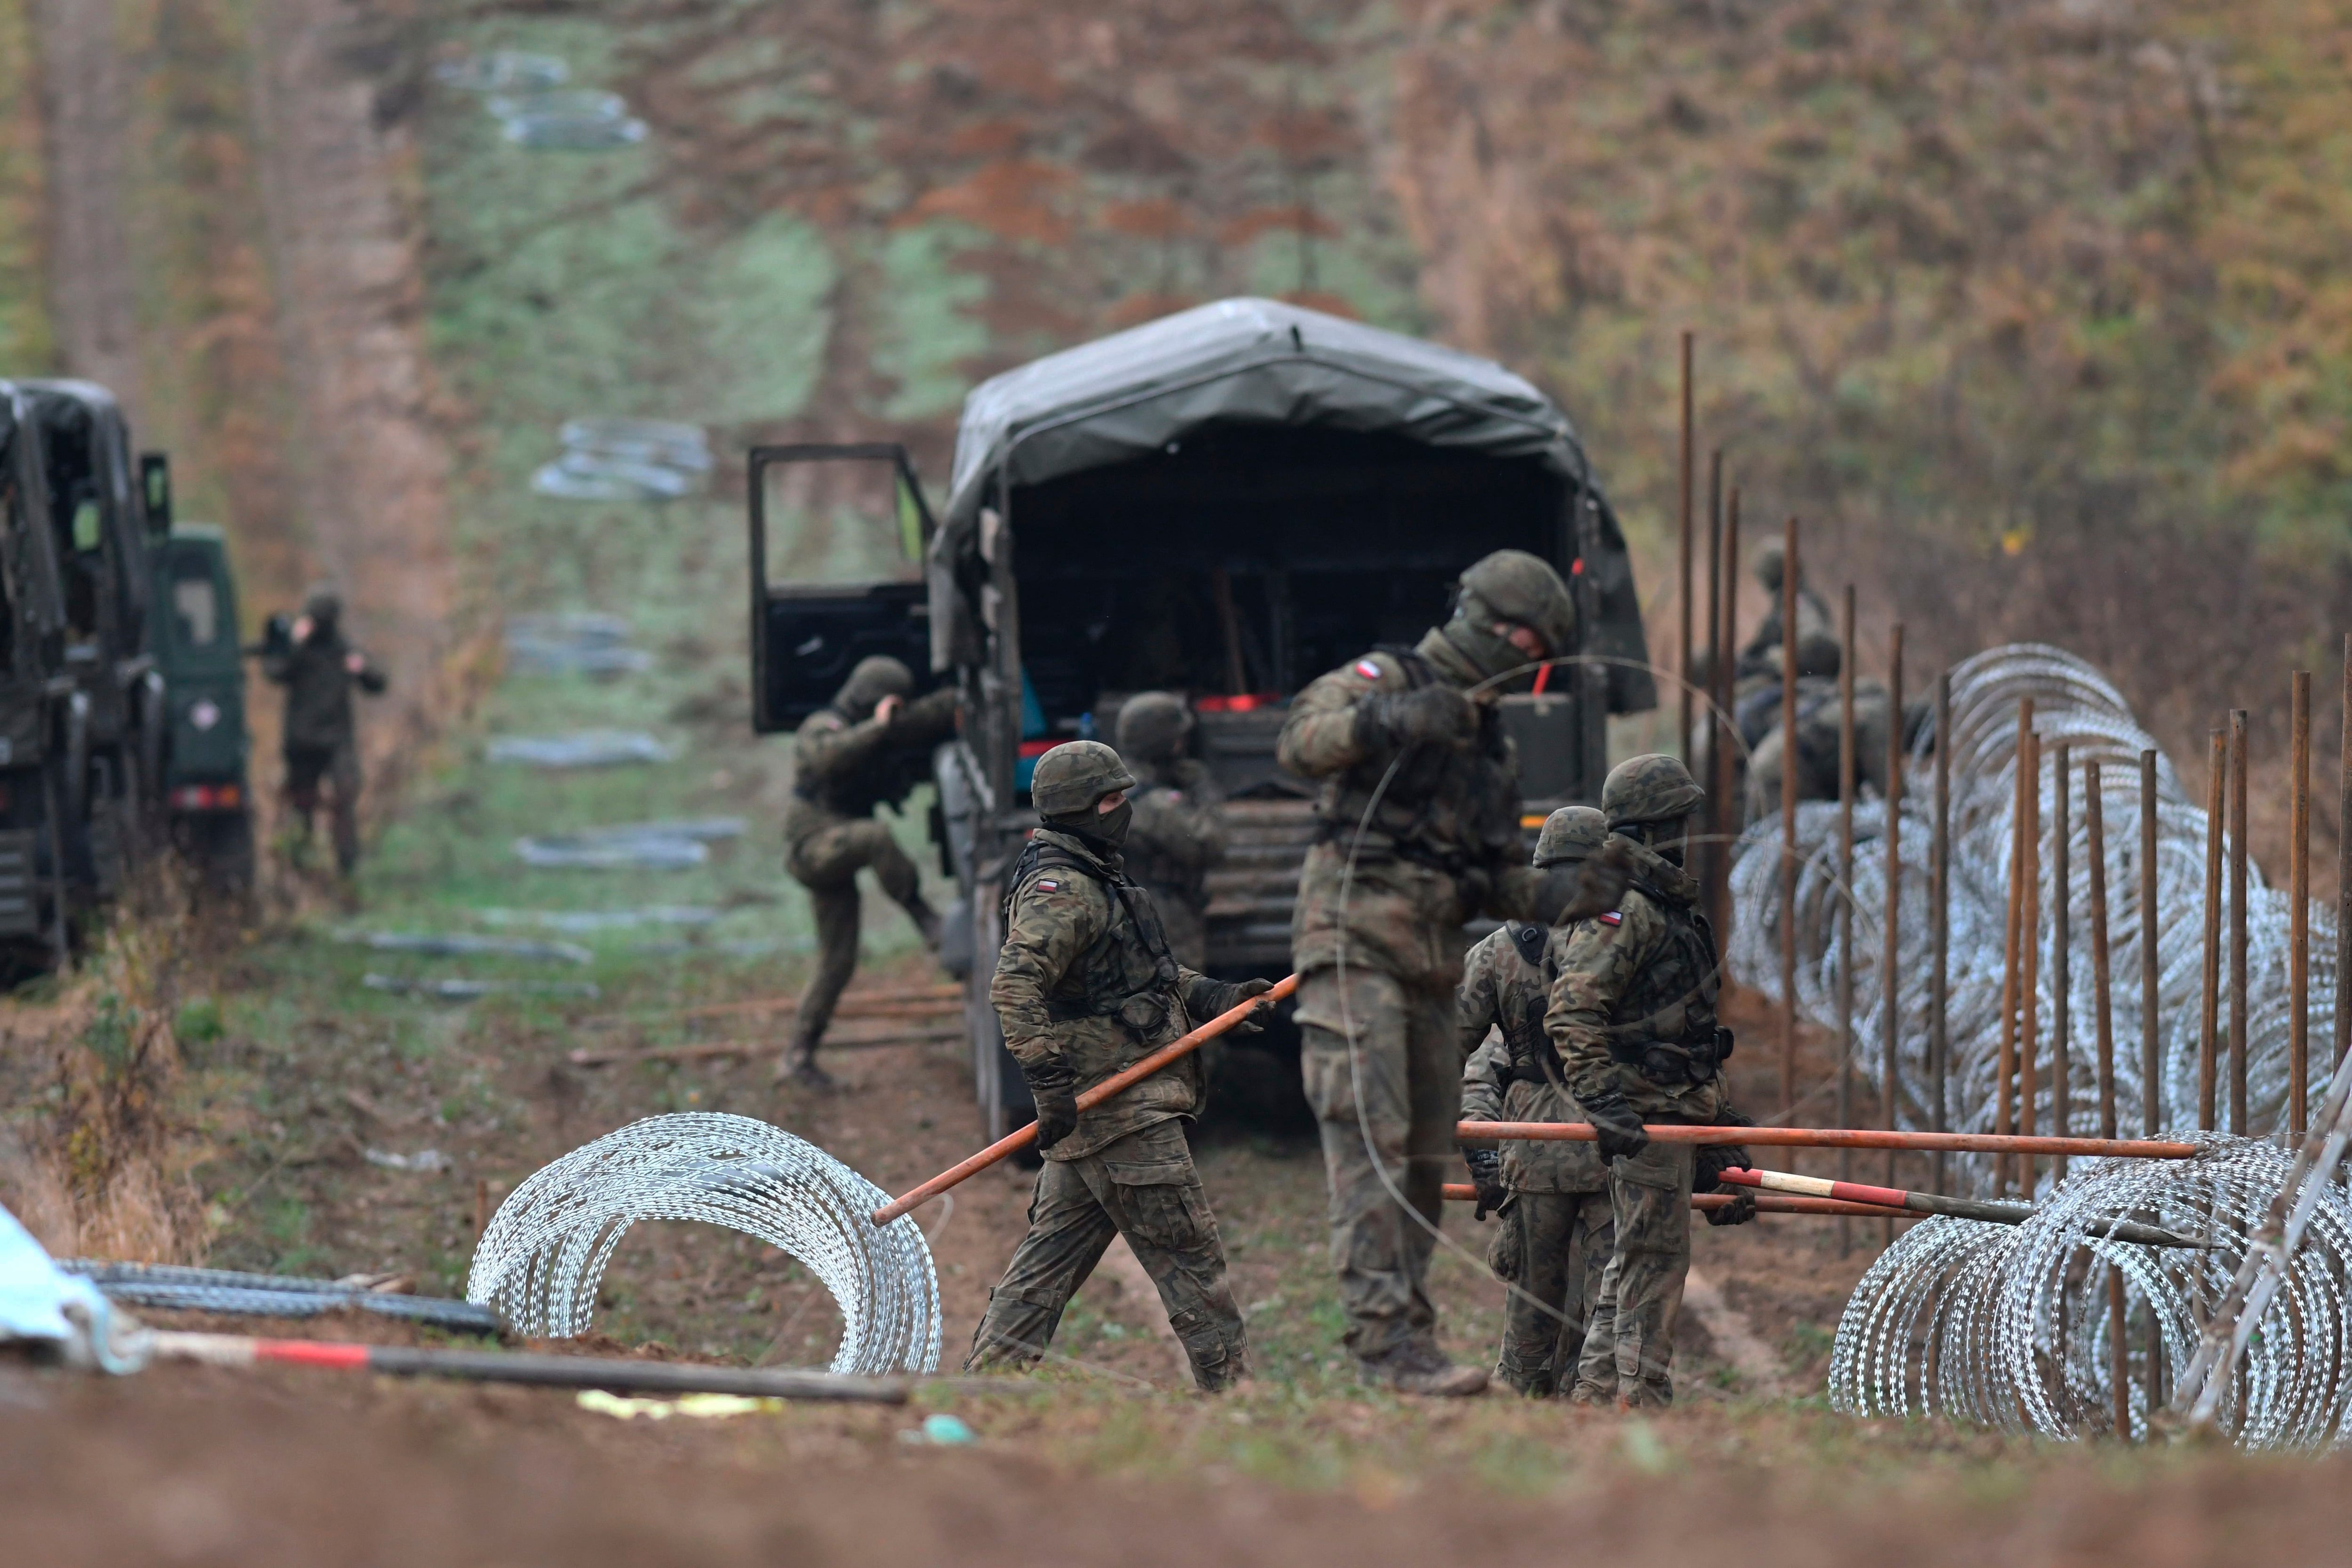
{"x":547,"y":1247}
{"x":2011,"y":1327}
{"x":2075,"y":706}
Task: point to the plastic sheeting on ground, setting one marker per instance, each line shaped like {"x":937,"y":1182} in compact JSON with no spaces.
{"x":455,"y":990}
{"x":40,"y":1301}
{"x":638,"y":846}
{"x":580,"y":643}
{"x":581,"y":748}
{"x":580,"y":921}
{"x":465,"y":944}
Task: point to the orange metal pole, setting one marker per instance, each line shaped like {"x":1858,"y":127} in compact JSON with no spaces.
{"x":955,"y":1176}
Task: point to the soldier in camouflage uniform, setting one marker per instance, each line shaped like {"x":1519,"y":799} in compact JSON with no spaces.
{"x":319,"y":671}
{"x":1557,"y":1228}
{"x":1085,"y":987}
{"x":1633,"y":1017}
{"x":847,"y":759}
{"x":1177,"y":835}
{"x":1760,"y":654}
{"x":1419,"y":824}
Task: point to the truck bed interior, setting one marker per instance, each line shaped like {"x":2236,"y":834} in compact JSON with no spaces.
{"x":1251,"y":559}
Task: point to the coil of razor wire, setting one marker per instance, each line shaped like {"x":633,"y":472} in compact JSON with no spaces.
{"x":2013,"y":1327}
{"x":267,"y":1295}
{"x":2078,"y":708}
{"x":547,"y":1247}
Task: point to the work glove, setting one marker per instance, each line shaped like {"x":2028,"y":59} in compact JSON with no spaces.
{"x":1211,"y":997}
{"x":1054,"y":1088}
{"x":1738,"y":1211}
{"x":1437,"y":714}
{"x":1487,"y":1176}
{"x":1619,"y":1125}
{"x":1714,"y":1159}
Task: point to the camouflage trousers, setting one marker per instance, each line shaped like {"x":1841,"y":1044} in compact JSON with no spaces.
{"x":1388,"y":1111}
{"x":337,"y":766}
{"x":1628,"y":1345}
{"x":826,"y":863}
{"x":1143,"y":1187}
{"x":1553,"y":1251}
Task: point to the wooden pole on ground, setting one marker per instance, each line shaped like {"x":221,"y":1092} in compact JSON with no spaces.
{"x":1789,"y":570}
{"x":1847,"y":764}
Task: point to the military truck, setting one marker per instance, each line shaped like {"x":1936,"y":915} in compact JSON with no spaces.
{"x":112,"y":722}
{"x":207,"y":803}
{"x":1227,"y":503}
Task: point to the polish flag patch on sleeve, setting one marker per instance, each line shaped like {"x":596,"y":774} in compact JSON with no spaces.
{"x":1612,"y":918}
{"x":1047,"y":885}
{"x":1368,"y":669}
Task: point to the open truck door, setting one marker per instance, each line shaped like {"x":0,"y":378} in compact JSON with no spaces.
{"x":837,"y":540}
{"x":839,"y":537}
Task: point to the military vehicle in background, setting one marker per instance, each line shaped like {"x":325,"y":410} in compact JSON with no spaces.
{"x":1224,"y":503}
{"x":207,"y":803}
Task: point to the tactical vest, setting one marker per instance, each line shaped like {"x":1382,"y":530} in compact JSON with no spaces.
{"x":855,"y":791}
{"x":1454,"y":810}
{"x":1664,"y":1024}
{"x":1127,"y":972}
{"x":1524,"y":1034}
{"x":1183,"y":880}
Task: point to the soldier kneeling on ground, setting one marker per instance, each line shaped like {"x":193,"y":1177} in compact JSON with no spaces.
{"x":847,"y":759}
{"x":1552,"y":1198}
{"x":1084,"y":987}
{"x":1633,"y":1017}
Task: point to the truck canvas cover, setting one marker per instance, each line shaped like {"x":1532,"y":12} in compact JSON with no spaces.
{"x":1260,"y":362}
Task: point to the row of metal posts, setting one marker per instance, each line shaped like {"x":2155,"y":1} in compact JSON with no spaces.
{"x":2018,"y":1068}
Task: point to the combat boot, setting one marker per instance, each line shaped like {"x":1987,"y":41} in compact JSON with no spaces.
{"x":797,"y":1066}
{"x":1417,"y":1366}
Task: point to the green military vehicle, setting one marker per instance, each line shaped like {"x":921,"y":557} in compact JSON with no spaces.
{"x":206,"y":800}
{"x":1224,"y":503}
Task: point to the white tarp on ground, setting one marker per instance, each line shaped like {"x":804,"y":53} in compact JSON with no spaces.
{"x":39,"y":1301}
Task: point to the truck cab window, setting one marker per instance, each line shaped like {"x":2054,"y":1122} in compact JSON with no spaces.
{"x":195,"y":607}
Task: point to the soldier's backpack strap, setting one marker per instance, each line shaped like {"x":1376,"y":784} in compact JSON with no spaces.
{"x":1531,"y":940}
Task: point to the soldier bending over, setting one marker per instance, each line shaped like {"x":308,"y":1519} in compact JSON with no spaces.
{"x":847,"y":759}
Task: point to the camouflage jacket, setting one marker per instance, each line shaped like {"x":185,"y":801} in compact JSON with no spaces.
{"x":1084,"y":977}
{"x":1176,"y":837}
{"x":1442,"y":846}
{"x":1503,"y":994}
{"x":318,"y":680}
{"x":841,"y":771}
{"x":1760,"y":656}
{"x":1634,"y":1006}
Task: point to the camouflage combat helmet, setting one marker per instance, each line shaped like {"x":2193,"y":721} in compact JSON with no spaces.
{"x":1771,"y":560}
{"x":873,"y":679}
{"x":1570,"y":834}
{"x":1651,"y":788}
{"x":1074,"y":775}
{"x":1152,"y":726}
{"x":322,"y":603}
{"x":1521,"y":587}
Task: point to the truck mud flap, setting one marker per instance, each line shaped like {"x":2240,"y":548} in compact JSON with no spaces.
{"x":20,"y":886}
